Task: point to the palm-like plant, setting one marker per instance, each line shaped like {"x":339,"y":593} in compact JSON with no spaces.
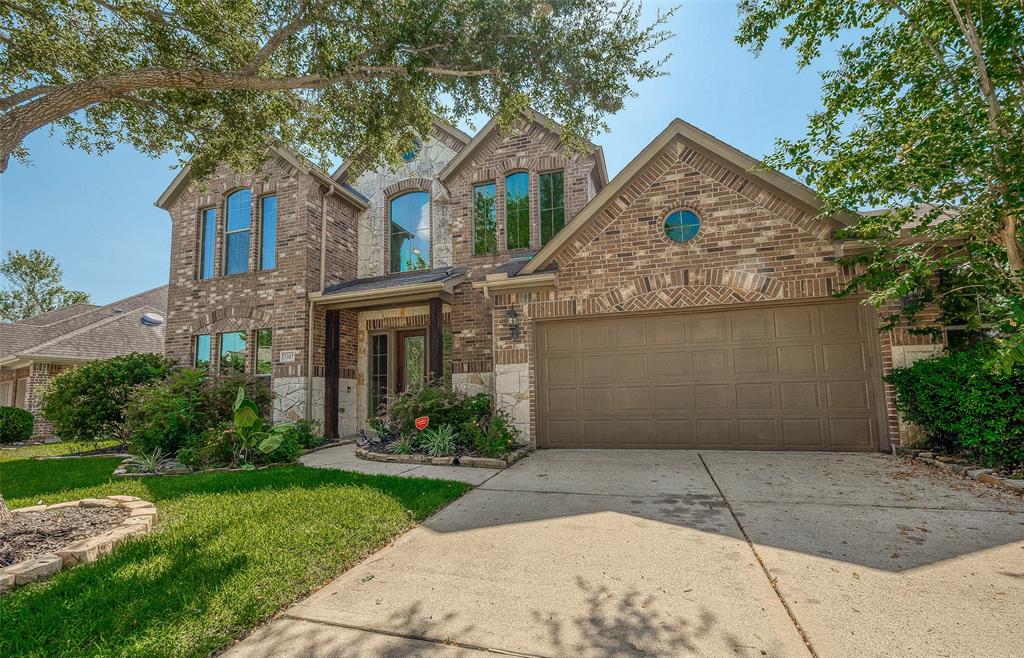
{"x":253,"y":434}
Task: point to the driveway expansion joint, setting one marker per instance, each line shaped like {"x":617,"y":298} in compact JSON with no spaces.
{"x":760,"y":561}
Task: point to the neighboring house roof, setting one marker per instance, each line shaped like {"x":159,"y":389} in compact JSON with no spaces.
{"x":343,"y":190}
{"x":84,"y":332}
{"x":790,"y":188}
{"x":464,"y":156}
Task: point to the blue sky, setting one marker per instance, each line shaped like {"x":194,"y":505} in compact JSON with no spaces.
{"x":96,"y":214}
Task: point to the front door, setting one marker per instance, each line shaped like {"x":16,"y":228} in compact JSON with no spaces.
{"x":411,"y":365}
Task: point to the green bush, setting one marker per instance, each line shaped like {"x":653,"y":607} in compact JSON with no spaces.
{"x":164,"y":415}
{"x":88,"y":402}
{"x":964,"y":406}
{"x":214,"y":447}
{"x":15,"y":424}
{"x":477,"y":426}
{"x":438,"y":441}
{"x":220,"y":393}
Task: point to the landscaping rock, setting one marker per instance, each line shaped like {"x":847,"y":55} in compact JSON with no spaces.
{"x":25,"y":510}
{"x":6,"y":582}
{"x":124,"y":499}
{"x":65,"y":505}
{"x":97,"y":502}
{"x":86,"y":550}
{"x":30,"y":571}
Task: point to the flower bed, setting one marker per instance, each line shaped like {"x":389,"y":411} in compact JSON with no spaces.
{"x":129,"y":516}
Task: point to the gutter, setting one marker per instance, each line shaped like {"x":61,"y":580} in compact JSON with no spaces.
{"x":385,"y":294}
{"x":502,"y":282}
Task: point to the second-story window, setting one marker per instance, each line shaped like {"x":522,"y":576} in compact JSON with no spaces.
{"x":207,"y":239}
{"x":236,"y":232}
{"x":552,"y":204}
{"x":517,"y":211}
{"x":410,"y":232}
{"x":485,"y":224}
{"x":268,"y":233}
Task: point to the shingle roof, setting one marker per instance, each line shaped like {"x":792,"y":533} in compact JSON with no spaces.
{"x":84,"y":331}
{"x":396,"y":280}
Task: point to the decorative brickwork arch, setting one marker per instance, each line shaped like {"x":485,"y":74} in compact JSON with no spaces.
{"x":239,"y":317}
{"x":408,"y":185}
{"x":684,"y":287}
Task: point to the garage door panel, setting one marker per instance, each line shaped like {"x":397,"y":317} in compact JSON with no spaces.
{"x":753,"y":360}
{"x":797,"y":358}
{"x":844,"y":357}
{"x":798,"y":395}
{"x":711,"y":363}
{"x":672,"y":398}
{"x":757,"y":433}
{"x":711,"y":328}
{"x":851,"y":433}
{"x":755,"y":396}
{"x":794,"y":322}
{"x":848,"y":394}
{"x":798,"y":377}
{"x":802,"y":434}
{"x":716,"y":433}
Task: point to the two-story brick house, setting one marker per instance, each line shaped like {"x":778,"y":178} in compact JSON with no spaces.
{"x":686,"y":303}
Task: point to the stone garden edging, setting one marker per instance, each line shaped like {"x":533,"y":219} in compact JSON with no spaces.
{"x":970,"y":471}
{"x":476,"y":462}
{"x":142,"y":516}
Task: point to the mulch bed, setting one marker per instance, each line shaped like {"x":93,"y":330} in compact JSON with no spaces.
{"x":30,"y":534}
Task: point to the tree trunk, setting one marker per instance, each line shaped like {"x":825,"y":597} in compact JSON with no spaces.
{"x":5,"y":514}
{"x":1013,"y":252}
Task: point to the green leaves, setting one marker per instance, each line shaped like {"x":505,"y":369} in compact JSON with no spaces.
{"x":214,"y":82}
{"x":36,"y":286}
{"x":921,"y":116}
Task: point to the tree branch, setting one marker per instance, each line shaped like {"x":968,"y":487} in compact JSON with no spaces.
{"x":966,"y":22}
{"x":273,"y":43}
{"x":24,"y":95}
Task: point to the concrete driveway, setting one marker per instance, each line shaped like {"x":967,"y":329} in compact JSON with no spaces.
{"x":669,"y":553}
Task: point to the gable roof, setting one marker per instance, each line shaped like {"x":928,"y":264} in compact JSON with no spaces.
{"x":343,"y":190}
{"x":789,"y":188}
{"x":84,"y":332}
{"x":480,"y":138}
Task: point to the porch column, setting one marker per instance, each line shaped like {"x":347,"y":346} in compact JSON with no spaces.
{"x":435,"y":343}
{"x":332,"y":370}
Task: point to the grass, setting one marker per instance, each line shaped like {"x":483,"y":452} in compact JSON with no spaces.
{"x":52,"y":449}
{"x":230,"y":550}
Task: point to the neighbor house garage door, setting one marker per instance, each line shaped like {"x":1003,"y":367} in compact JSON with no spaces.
{"x":800,"y":377}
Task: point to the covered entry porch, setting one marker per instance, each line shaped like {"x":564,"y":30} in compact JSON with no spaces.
{"x":388,"y":331}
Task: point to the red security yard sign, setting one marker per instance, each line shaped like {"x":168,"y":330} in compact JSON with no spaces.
{"x":422,"y":422}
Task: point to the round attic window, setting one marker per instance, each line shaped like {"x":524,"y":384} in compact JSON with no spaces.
{"x":682,"y":225}
{"x":152,"y":319}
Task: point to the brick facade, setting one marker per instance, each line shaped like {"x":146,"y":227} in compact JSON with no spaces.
{"x":756,"y":244}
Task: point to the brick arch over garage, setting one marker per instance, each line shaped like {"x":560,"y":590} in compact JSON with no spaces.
{"x":232,"y":318}
{"x":684,"y":287}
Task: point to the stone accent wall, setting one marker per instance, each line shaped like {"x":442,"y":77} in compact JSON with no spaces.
{"x":512,"y":394}
{"x":382,"y":185}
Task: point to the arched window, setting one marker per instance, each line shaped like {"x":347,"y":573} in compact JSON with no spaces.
{"x":236,"y":232}
{"x":517,"y":211}
{"x":410,"y":232}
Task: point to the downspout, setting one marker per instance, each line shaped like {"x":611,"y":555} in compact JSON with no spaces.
{"x":309,"y":330}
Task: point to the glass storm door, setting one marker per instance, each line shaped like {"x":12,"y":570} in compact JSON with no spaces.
{"x":411,"y":367}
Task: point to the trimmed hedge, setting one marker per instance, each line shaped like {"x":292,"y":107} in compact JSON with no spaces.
{"x":15,"y":424}
{"x":964,"y":406}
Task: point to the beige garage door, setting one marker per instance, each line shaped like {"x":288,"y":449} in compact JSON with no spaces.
{"x":801,"y":377}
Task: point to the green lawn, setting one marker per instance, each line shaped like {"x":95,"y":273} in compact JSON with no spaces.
{"x":52,"y":449}
{"x":230,"y":550}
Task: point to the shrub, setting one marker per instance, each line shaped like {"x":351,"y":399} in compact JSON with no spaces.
{"x":15,"y":424}
{"x":210,"y":449}
{"x":305,"y":433}
{"x":964,"y":406}
{"x":438,"y":441}
{"x":163,"y":415}
{"x":220,"y":393}
{"x":88,"y":402}
{"x":499,"y":437}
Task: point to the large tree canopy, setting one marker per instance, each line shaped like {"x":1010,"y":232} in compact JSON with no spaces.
{"x":212,"y":79}
{"x":924,"y":116}
{"x":35,"y":285}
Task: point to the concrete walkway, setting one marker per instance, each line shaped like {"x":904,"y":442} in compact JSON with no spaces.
{"x":669,"y":553}
{"x":344,"y":458}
